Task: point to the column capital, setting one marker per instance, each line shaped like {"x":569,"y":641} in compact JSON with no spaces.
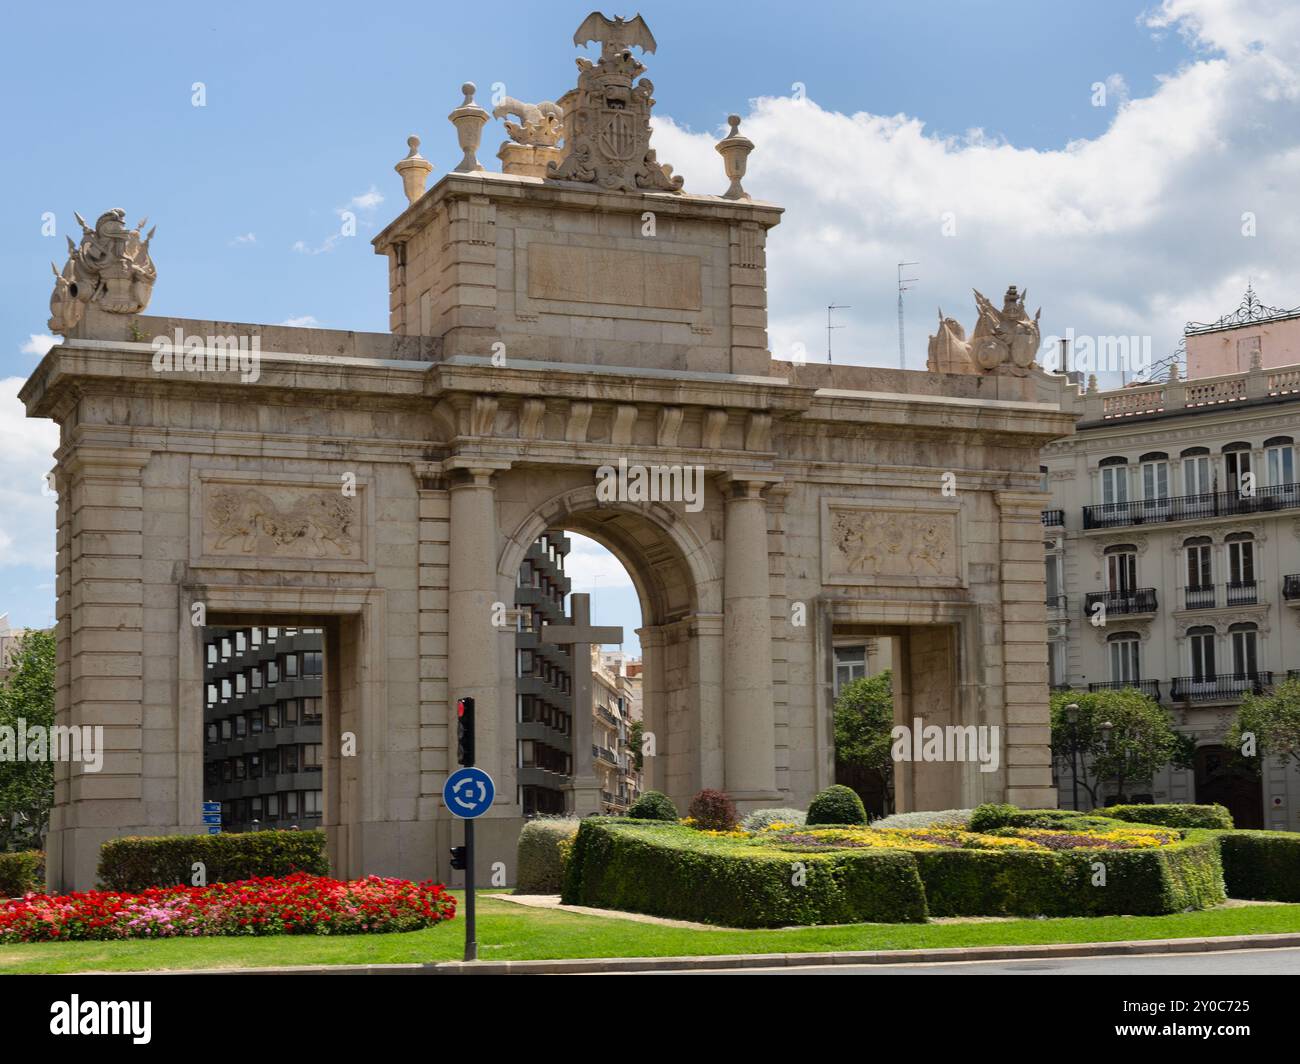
{"x":744,"y":484}
{"x":463,"y":471}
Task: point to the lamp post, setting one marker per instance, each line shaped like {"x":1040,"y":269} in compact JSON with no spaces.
{"x":1072,"y":716}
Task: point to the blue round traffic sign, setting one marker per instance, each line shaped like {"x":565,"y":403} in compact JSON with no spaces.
{"x":468,"y":793}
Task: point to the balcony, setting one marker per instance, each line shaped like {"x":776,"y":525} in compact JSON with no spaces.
{"x":601,"y":754}
{"x":1053,"y":518}
{"x":1230,"y":688}
{"x":1057,"y":605}
{"x":1191,"y":507}
{"x":1138,"y":602}
{"x":1291,"y":589}
{"x":1150,"y":688}
{"x":1211,"y":596}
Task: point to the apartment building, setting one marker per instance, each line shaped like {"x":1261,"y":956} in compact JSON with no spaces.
{"x":616,"y":687}
{"x":262,"y":721}
{"x":1172,"y":544}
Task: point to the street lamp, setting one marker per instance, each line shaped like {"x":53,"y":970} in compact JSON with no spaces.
{"x":1072,"y":717}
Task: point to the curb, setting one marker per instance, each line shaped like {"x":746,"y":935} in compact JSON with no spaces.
{"x":615,"y":965}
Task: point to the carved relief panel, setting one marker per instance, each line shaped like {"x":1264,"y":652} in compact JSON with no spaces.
{"x":246,"y":520}
{"x":892,"y":542}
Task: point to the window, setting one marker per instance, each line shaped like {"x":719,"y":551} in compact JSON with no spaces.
{"x":850,"y":665}
{"x":212,"y":653}
{"x":1241,"y":559}
{"x":255,"y":637}
{"x":272,"y":757}
{"x":288,"y":759}
{"x":254,"y":766}
{"x":291,"y":708}
{"x":1124,"y":659}
{"x":1236,"y":460}
{"x":241,"y":643}
{"x":310,"y":710}
{"x":241,"y":683}
{"x":272,"y":672}
{"x":1244,"y":650}
{"x":241,"y":726}
{"x":212,"y":694}
{"x":1155,"y":476}
{"x":255,"y":721}
{"x":272,"y":805}
{"x":1121,"y":569}
{"x":241,"y":768}
{"x":213,"y":732}
{"x":290,"y":803}
{"x":1114,"y":481}
{"x":1196,"y":471}
{"x":255,"y":678}
{"x":311,"y":663}
{"x":1054,"y":592}
{"x":1201,"y":643}
{"x":1279,"y":460}
{"x":311,"y":803}
{"x":227,"y":730}
{"x":273,"y":715}
{"x":289,"y":666}
{"x":1056,"y":663}
{"x":311,"y":757}
{"x":1200,"y":572}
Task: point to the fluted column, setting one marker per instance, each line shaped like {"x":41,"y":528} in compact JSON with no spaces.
{"x":749,"y":724}
{"x":473,"y":650}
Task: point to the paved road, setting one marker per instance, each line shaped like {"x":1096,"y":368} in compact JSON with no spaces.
{"x":1224,"y":962}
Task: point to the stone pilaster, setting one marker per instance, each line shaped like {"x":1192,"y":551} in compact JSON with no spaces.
{"x":1026,"y":720}
{"x":473,"y":650}
{"x":748,"y":717}
{"x":100,"y":680}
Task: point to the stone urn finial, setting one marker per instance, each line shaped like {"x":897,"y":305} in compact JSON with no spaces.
{"x":414,"y":170}
{"x":735,"y":150}
{"x":469,"y":119}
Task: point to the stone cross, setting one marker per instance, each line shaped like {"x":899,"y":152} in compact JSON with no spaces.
{"x":579,"y":636}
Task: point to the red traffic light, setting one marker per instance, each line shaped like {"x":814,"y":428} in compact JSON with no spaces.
{"x":460,"y":707}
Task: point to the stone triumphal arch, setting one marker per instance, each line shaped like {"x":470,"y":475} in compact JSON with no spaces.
{"x":580,"y":307}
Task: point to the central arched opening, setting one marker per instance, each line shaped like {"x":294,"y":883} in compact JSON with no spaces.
{"x":645,"y":572}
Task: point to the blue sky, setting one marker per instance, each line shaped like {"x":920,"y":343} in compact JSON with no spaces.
{"x":1121,"y":219}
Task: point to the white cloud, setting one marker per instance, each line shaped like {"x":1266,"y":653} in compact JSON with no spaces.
{"x":1134,"y":231}
{"x":591,"y":568}
{"x":38,"y":344}
{"x":27,"y":507}
{"x":246,"y":238}
{"x":304,"y":322}
{"x":368,"y":200}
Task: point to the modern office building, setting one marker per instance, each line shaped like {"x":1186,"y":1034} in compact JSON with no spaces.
{"x":262,"y":718}
{"x":1172,"y":545}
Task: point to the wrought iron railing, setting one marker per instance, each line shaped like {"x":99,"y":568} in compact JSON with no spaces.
{"x":1291,"y":587}
{"x":1191,"y":507}
{"x":1053,"y":518}
{"x":1150,"y":688}
{"x":1122,"y":603}
{"x":1225,"y":688}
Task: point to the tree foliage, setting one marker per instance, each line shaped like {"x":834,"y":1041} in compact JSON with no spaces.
{"x":1142,"y":739}
{"x":1271,"y":721}
{"x":864,"y":718}
{"x":27,"y":787}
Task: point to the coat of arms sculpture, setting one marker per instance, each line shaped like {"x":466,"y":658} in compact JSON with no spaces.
{"x":607,"y":130}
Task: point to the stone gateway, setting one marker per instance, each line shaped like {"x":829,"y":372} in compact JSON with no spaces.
{"x":386,"y":487}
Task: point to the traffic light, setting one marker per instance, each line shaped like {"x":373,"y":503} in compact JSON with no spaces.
{"x":465,"y":731}
{"x":458,"y":861}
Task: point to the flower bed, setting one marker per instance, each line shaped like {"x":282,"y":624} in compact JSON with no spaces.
{"x":298,"y":904}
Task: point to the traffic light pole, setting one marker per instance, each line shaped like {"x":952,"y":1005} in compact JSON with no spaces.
{"x":471,"y":936}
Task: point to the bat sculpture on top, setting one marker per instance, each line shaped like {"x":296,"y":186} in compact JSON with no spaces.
{"x":614,"y":34}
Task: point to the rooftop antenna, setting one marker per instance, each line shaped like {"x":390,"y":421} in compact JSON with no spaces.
{"x":829,"y":326}
{"x":904,"y":283}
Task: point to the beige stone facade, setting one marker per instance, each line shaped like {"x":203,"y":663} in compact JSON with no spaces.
{"x":386,"y":487}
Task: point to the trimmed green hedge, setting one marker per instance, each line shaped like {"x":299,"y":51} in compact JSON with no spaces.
{"x":653,"y":805}
{"x":1145,"y":882}
{"x":990,"y":816}
{"x":837,"y":805}
{"x":1172,"y":815}
{"x":676,"y":872}
{"x":21,"y":873}
{"x":539,"y":856}
{"x":1261,"y":865}
{"x":135,"y":862}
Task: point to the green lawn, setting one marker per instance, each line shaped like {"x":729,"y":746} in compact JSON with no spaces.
{"x":513,"y":932}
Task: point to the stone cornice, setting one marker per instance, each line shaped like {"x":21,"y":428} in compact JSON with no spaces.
{"x":535,"y":192}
